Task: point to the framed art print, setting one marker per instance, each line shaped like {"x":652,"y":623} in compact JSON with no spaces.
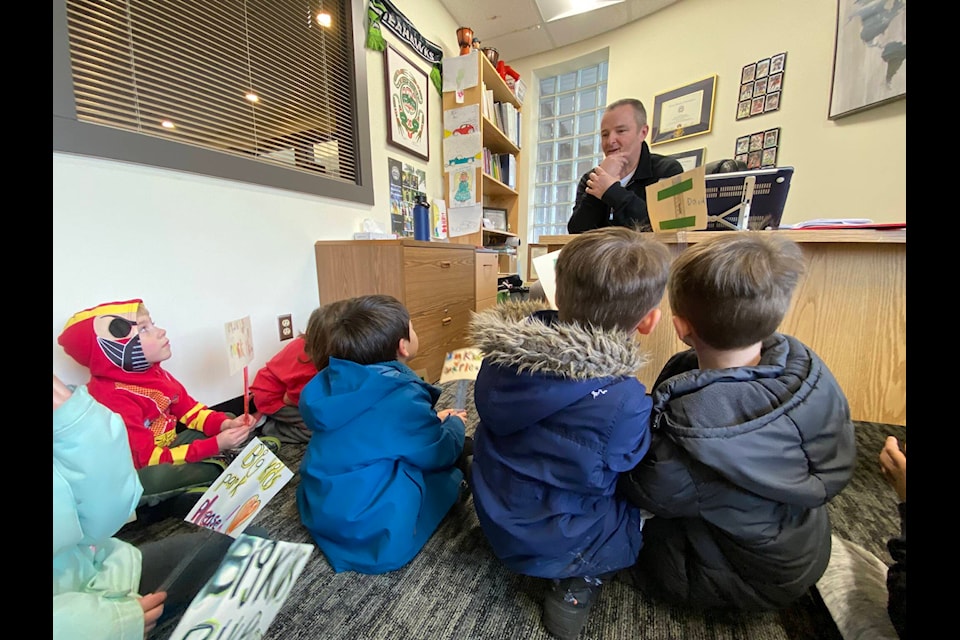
{"x":778,"y":63}
{"x":768,"y":158}
{"x":774,"y":82}
{"x":743,"y":145}
{"x":772,"y":102}
{"x":759,"y":87}
{"x":763,"y":68}
{"x":746,"y":91}
{"x":683,"y":112}
{"x":756,"y":141}
{"x":407,"y":104}
{"x":756,"y":106}
{"x":743,"y":108}
{"x":689,"y":159}
{"x":749,"y":73}
{"x":771,"y":138}
{"x":869,"y":56}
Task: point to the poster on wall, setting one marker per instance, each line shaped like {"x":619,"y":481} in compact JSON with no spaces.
{"x":395,"y":169}
{"x":870,"y":55}
{"x":408,"y":124}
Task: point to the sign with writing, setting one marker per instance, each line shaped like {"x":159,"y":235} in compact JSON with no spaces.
{"x":244,"y":595}
{"x":679,"y":203}
{"x":239,"y":343}
{"x":241,"y":491}
{"x":461,"y":364}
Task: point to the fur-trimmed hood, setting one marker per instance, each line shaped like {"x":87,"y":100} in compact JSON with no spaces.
{"x":529,"y":336}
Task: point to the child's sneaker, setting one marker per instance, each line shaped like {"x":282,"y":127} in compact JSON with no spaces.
{"x":567,"y":605}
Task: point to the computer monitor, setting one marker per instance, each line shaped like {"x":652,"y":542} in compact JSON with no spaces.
{"x":742,"y":200}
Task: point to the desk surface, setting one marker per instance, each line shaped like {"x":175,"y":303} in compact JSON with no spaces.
{"x":850,"y":308}
{"x":797,"y":235}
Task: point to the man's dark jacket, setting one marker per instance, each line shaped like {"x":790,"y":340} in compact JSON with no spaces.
{"x":629,"y":203}
{"x":740,"y":469}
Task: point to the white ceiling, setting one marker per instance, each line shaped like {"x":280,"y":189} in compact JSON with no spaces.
{"x":516,"y":29}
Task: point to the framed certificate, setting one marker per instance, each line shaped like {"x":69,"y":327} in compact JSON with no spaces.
{"x":683,"y":112}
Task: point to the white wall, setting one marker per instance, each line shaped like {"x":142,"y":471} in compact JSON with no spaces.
{"x":203,"y":251}
{"x":854,"y":167}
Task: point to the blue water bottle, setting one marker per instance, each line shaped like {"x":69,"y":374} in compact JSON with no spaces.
{"x":421,"y":219}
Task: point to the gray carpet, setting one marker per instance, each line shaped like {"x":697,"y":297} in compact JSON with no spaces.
{"x":456,"y":588}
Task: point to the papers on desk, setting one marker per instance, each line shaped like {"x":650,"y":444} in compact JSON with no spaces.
{"x":828,"y":222}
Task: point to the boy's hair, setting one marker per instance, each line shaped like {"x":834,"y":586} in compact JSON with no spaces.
{"x":735,"y":289}
{"x":611,"y":277}
{"x":365,"y":330}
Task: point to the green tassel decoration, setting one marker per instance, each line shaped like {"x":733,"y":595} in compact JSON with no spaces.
{"x":375,"y":39}
{"x":436,"y":75}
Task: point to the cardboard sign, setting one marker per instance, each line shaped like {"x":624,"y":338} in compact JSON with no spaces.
{"x":239,"y":343}
{"x":679,"y":203}
{"x":545,"y":266}
{"x":244,"y":595}
{"x":241,"y":491}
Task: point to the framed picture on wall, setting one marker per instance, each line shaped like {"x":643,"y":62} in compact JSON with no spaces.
{"x":869,"y":56}
{"x":683,"y":112}
{"x":689,"y":159}
{"x":407,"y":104}
{"x":772,"y":102}
{"x":763,"y":68}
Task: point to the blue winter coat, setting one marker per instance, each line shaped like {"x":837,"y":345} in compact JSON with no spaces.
{"x":741,"y":467}
{"x":561,"y":416}
{"x":378,"y":474}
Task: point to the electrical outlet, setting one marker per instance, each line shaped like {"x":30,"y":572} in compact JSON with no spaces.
{"x":285,"y":325}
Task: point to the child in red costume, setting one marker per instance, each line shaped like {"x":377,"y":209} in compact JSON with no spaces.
{"x":123,"y":349}
{"x":276,"y":387}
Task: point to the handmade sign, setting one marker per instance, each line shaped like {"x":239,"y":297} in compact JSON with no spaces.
{"x":241,"y":491}
{"x":679,"y":202}
{"x":461,"y":365}
{"x":246,"y":592}
{"x":240,"y":353}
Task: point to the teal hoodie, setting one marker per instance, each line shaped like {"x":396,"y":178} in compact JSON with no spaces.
{"x":95,"y":489}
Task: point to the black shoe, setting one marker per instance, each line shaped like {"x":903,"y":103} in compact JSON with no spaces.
{"x":567,"y":605}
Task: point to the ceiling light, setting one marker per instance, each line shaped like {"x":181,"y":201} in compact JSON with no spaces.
{"x":252,"y":97}
{"x":324,"y":19}
{"x":167,"y":124}
{"x":556,"y":9}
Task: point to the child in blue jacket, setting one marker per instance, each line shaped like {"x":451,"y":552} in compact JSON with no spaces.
{"x":562,"y":415}
{"x":381,"y":469}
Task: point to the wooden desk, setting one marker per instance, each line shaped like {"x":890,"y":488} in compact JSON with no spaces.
{"x":851,"y":308}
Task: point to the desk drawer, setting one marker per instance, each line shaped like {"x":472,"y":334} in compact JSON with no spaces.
{"x":434,"y":277}
{"x":440,"y":330}
{"x":486,"y":276}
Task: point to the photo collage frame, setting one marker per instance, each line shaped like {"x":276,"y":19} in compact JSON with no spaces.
{"x":759,"y":149}
{"x":761,"y":85}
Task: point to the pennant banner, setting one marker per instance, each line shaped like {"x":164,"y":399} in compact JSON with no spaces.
{"x":398,"y":24}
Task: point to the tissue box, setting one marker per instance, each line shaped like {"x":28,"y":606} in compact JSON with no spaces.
{"x":373,"y":235}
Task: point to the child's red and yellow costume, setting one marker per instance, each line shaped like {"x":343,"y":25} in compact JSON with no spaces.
{"x":150,"y":400}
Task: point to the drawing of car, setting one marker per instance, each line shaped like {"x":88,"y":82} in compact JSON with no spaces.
{"x":460,"y":160}
{"x":464,"y":129}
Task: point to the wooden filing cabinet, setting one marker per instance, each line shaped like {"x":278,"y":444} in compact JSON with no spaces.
{"x":437,"y":282}
{"x":487,"y":270}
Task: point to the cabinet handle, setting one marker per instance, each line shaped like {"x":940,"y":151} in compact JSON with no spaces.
{"x":446,"y":321}
{"x":445,"y":264}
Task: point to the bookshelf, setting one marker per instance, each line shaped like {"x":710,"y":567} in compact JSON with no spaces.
{"x":503,"y":191}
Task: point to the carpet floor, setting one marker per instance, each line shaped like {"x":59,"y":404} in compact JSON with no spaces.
{"x":457,"y":589}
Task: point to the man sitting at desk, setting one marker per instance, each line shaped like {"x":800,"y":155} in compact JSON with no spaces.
{"x":614,"y":193}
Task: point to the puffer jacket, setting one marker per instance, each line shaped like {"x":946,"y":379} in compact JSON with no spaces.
{"x":742,"y":464}
{"x":562,"y":414}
